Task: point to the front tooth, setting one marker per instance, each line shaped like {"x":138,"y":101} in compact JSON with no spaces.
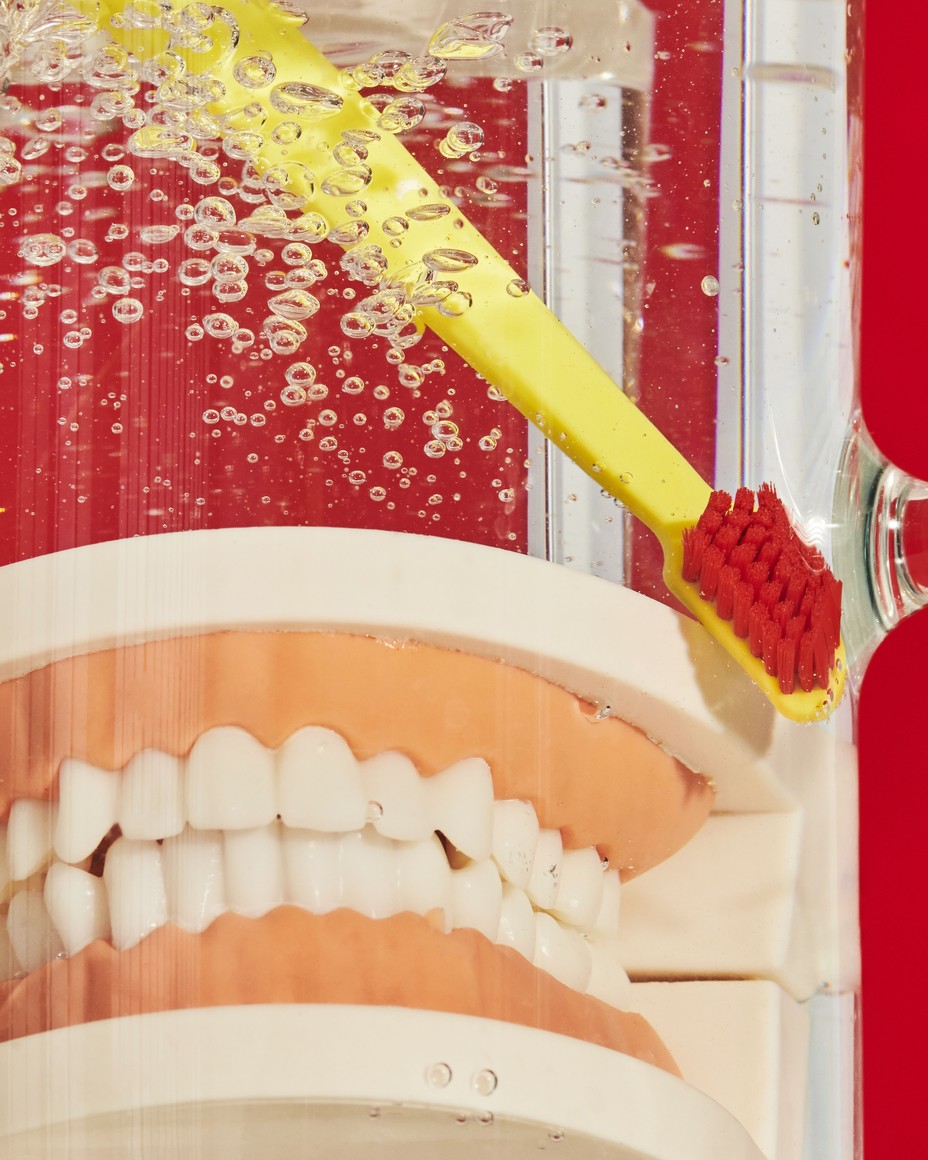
{"x":462,"y":806}
{"x":606,"y":922}
{"x":516,"y":922}
{"x":546,"y":869}
{"x":608,"y":980}
{"x":580,"y":887}
{"x":253,"y":861}
{"x":9,"y":964}
{"x":88,"y":800}
{"x":476,"y":898}
{"x":35,"y":941}
{"x":562,"y":952}
{"x":6,"y":882}
{"x":135,"y":890}
{"x":230,"y":781}
{"x":29,"y":837}
{"x":152,"y":798}
{"x":396,"y":797}
{"x":369,"y":874}
{"x":76,"y":903}
{"x":319,"y":782}
{"x":424,"y":878}
{"x":193,"y":879}
{"x":312,"y":867}
{"x":515,"y":835}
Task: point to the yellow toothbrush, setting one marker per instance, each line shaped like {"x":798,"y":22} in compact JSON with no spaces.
{"x":297,"y":115}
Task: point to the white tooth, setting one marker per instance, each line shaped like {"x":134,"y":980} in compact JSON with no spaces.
{"x":135,"y":890}
{"x":517,"y":922}
{"x":319,"y":782}
{"x":370,"y":874}
{"x":6,"y":883}
{"x":476,"y":898}
{"x":194,"y":883}
{"x":230,"y":781}
{"x":29,"y":837}
{"x":424,"y":878}
{"x":312,"y":865}
{"x":152,"y":799}
{"x":462,"y":806}
{"x":35,"y":941}
{"x":396,"y":797}
{"x":88,"y":799}
{"x":562,"y":952}
{"x":579,"y":888}
{"x":254,"y":870}
{"x":76,"y":903}
{"x":608,"y":980}
{"x":515,"y":835}
{"x":9,"y":964}
{"x":546,"y":869}
{"x":606,"y":922}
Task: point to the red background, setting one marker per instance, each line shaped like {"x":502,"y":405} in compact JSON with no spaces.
{"x":894,"y":790}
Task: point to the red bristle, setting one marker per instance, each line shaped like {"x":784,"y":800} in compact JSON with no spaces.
{"x":756,"y":535}
{"x":767,"y":498}
{"x":786,"y":665}
{"x":771,"y":641}
{"x":741,"y":608}
{"x":757,"y":618}
{"x":709,"y":573}
{"x":769,"y":594}
{"x":795,"y":586}
{"x":744,"y":500}
{"x":694,"y":545}
{"x":710,"y":521}
{"x":725,"y":596}
{"x":742,"y":556}
{"x":824,"y":656}
{"x":795,"y":628}
{"x":756,"y":574}
{"x":782,"y":613}
{"x":770,"y":551}
{"x":806,"y":665}
{"x":720,"y":501}
{"x":832,"y":596}
{"x":725,"y":539}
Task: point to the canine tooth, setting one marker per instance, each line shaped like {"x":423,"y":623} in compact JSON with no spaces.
{"x":369,"y":874}
{"x":76,"y":903}
{"x":9,"y":964}
{"x":516,"y":921}
{"x":562,"y":952}
{"x":476,"y":898}
{"x":312,"y":865}
{"x":194,"y":883}
{"x":606,"y":922}
{"x":88,"y":800}
{"x":546,"y":869}
{"x":6,"y":883}
{"x":152,"y":799}
{"x":253,"y":861}
{"x":230,"y":781}
{"x":608,"y":980}
{"x":135,"y":890}
{"x":462,"y":806}
{"x":515,"y":835}
{"x":29,"y":837}
{"x":579,"y":887}
{"x":393,"y":787}
{"x":319,"y":782}
{"x":34,"y":940}
{"x":423,"y":877}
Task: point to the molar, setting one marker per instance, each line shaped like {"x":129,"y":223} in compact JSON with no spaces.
{"x":546,"y":869}
{"x":135,"y":890}
{"x":193,"y":878}
{"x":606,"y":922}
{"x":319,"y":782}
{"x":76,"y":904}
{"x":476,"y":898}
{"x":397,"y":797}
{"x":580,"y":887}
{"x":562,"y":952}
{"x":230,"y":781}
{"x":515,"y":835}
{"x":423,"y":877}
{"x":88,"y":800}
{"x":462,"y":806}
{"x":29,"y":837}
{"x":254,"y":870}
{"x":516,"y":921}
{"x":152,"y":800}
{"x":34,"y":939}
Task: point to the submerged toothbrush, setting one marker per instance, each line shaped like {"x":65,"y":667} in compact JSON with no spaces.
{"x":245,"y":71}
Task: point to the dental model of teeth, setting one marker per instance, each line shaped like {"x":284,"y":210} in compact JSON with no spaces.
{"x":238,"y":827}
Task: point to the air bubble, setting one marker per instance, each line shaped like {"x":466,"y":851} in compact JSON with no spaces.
{"x":82,"y":251}
{"x":120,"y":177}
{"x":529,"y":62}
{"x":43,"y":249}
{"x":460,"y":139}
{"x":550,"y":41}
{"x":517,"y":288}
{"x":293,"y":395}
{"x":158,"y":235}
{"x":710,"y":286}
{"x":254,"y":72}
{"x":220,"y":325}
{"x":393,"y":418}
{"x":128,"y":310}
